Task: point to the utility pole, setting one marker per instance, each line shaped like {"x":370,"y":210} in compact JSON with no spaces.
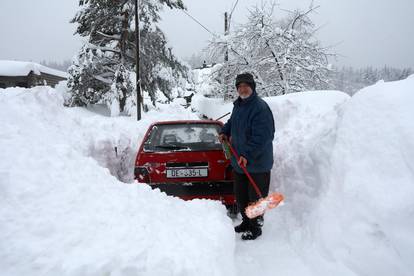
{"x":226,"y":57}
{"x":226,"y":32}
{"x":137,"y":46}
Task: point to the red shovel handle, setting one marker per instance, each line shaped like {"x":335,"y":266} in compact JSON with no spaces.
{"x":245,"y":171}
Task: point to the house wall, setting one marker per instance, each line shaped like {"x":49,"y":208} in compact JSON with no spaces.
{"x":30,"y":80}
{"x":6,"y":81}
{"x":51,"y":80}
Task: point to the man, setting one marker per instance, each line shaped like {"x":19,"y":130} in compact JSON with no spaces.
{"x":251,"y":131}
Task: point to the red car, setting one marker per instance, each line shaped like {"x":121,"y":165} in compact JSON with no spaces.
{"x":185,"y":159}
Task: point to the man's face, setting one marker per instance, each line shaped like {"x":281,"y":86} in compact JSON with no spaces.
{"x":244,"y":90}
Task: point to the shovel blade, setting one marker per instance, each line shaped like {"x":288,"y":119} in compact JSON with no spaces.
{"x":259,"y":208}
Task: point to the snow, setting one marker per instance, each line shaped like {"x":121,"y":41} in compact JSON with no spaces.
{"x":348,"y":180}
{"x":13,"y":68}
{"x":203,"y":106}
{"x":372,"y":167}
{"x":345,"y":168}
{"x":205,"y":81}
{"x":62,"y":212}
{"x":344,"y":165}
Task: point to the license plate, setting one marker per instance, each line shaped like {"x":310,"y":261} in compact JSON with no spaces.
{"x":181,"y":173}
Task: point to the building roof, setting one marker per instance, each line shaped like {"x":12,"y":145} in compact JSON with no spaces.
{"x":13,"y":68}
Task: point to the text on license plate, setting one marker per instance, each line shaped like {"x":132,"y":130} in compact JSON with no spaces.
{"x":178,"y":173}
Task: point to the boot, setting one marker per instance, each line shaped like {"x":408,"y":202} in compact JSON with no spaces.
{"x":242,"y":227}
{"x":252,"y":233}
{"x":260,"y":221}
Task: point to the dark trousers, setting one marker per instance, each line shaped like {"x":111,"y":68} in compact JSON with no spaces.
{"x":246,"y":194}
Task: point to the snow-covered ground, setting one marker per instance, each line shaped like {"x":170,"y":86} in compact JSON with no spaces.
{"x":63,"y":213}
{"x":345,"y":166}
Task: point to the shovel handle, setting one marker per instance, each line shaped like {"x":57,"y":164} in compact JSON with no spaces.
{"x":245,"y":171}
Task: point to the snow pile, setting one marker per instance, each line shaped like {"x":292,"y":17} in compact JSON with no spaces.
{"x":368,"y":212}
{"x":345,"y":166}
{"x":13,"y":68}
{"x":61,"y":213}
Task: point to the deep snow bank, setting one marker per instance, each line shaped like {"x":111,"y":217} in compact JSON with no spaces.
{"x":368,"y":212}
{"x":62,"y":213}
{"x":346,"y":168}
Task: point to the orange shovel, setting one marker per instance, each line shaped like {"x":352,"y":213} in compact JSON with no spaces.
{"x":264,"y":203}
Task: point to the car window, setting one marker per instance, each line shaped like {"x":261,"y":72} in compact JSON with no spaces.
{"x":183,"y":137}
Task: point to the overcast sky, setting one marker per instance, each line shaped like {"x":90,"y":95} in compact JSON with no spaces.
{"x":365,"y":32}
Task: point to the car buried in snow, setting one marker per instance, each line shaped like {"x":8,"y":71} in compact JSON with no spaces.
{"x":185,"y":159}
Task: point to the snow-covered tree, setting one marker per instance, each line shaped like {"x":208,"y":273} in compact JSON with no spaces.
{"x":284,"y":55}
{"x":105,"y":66}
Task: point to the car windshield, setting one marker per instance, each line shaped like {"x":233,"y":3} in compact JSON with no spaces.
{"x":183,"y":137}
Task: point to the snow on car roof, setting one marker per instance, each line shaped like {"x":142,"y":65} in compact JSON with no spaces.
{"x":187,"y":122}
{"x":13,"y":68}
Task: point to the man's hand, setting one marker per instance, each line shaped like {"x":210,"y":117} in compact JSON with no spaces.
{"x":242,"y":161}
{"x":223,"y":138}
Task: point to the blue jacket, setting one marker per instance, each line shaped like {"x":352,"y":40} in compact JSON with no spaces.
{"x":251,"y":128}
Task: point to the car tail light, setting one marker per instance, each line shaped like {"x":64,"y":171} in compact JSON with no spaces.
{"x":142,"y":174}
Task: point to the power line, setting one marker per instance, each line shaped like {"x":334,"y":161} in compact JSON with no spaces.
{"x":231,"y":13}
{"x":199,"y":23}
{"x":234,"y":7}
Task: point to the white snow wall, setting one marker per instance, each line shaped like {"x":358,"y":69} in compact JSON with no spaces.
{"x":61,"y":213}
{"x":346,"y":168}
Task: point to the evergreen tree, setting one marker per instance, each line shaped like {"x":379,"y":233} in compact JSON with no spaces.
{"x":104,"y":69}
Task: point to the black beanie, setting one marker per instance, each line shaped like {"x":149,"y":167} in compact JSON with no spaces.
{"x":246,"y":78}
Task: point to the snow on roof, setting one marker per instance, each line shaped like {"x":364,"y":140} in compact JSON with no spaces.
{"x":13,"y":68}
